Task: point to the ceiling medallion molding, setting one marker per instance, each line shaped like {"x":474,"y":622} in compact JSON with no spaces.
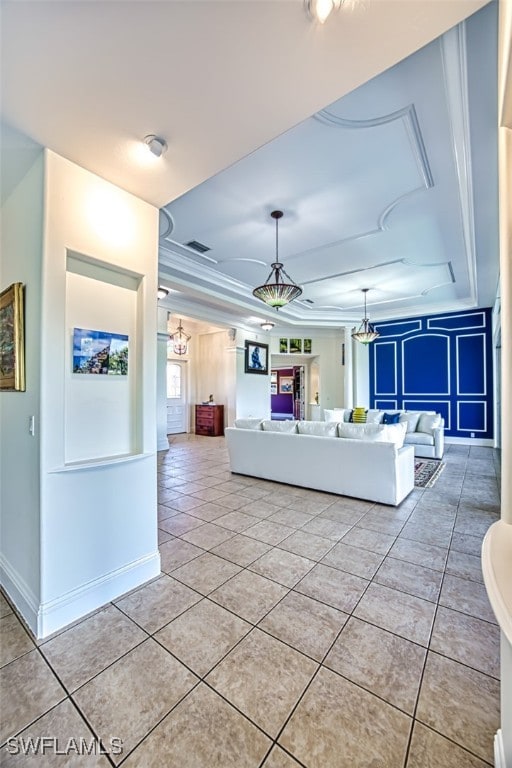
{"x":165,"y":224}
{"x":407,"y":115}
{"x":454,"y":60}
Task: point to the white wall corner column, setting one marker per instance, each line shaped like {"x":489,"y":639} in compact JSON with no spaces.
{"x":162,"y":442}
{"x":93,"y":529}
{"x":361,"y":373}
{"x":348,"y":371}
{"x":497,"y":545}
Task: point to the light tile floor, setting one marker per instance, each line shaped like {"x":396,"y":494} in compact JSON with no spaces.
{"x":288,"y":628}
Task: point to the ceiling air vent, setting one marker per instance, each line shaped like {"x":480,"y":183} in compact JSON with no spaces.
{"x":309,"y":301}
{"x":197,"y":246}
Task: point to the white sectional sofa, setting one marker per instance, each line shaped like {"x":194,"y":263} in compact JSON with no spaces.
{"x":425,"y":429}
{"x":312,"y":455}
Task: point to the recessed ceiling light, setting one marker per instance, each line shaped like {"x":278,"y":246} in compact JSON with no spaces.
{"x":156,"y":145}
{"x":162,"y":292}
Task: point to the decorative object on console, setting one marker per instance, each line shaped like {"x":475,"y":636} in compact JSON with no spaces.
{"x":366,"y":332}
{"x":277,"y":293}
{"x":12,"y":339}
{"x":426,"y":472}
{"x":180,"y":340}
{"x":256,"y":357}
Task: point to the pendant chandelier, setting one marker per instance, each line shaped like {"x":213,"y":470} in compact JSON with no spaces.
{"x":366,"y":332}
{"x":276,"y":292}
{"x":180,"y":340}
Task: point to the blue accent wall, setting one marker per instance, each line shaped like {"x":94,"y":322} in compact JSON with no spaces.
{"x":437,"y":363}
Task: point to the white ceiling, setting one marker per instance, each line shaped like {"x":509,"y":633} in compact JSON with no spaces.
{"x":392,"y":187}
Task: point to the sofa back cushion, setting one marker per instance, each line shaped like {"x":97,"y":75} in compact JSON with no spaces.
{"x":428,"y":422}
{"x":410,"y":418}
{"x":318,"y":428}
{"x":374,"y":416}
{"x":279,"y":426}
{"x":337,"y":414}
{"x":379,"y":433}
{"x":248,"y":423}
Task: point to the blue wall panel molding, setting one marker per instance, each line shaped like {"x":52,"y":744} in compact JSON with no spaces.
{"x":437,"y":363}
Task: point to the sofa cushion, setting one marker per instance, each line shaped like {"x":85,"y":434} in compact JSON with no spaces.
{"x":428,"y":422}
{"x":411,"y":418}
{"x":418,"y":438}
{"x":374,"y":416}
{"x":318,"y":428}
{"x":279,"y":426}
{"x":375,"y":433}
{"x":391,"y":418}
{"x":248,"y":423}
{"x":336,"y":414}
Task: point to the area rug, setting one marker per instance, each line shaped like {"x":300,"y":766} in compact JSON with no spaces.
{"x":426,"y":472}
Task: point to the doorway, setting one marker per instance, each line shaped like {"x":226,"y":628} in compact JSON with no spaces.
{"x":176,"y":397}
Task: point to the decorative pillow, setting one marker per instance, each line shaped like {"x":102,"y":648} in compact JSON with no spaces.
{"x":335,"y":414}
{"x":359,"y":415}
{"x":373,"y":416}
{"x":428,"y":422}
{"x":318,"y":428}
{"x":391,"y":418}
{"x":248,"y":423}
{"x":279,"y":426}
{"x":410,"y":418}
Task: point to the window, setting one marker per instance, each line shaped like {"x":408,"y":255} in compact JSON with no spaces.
{"x":173,"y":380}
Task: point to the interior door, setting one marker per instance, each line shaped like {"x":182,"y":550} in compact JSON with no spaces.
{"x":176,"y":397}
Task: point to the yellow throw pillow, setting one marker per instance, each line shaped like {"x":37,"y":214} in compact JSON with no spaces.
{"x":359,"y":416}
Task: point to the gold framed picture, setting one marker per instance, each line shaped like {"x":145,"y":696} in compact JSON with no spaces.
{"x":12,"y":339}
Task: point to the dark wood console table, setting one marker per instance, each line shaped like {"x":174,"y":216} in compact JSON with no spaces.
{"x":210,"y":420}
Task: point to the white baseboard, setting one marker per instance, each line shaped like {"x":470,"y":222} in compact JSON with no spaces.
{"x":499,"y":750}
{"x":20,"y":594}
{"x":45,"y":618}
{"x":480,"y":441}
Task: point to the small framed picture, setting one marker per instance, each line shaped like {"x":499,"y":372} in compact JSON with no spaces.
{"x":283,"y":346}
{"x":286,"y":385}
{"x":295,"y":346}
{"x":273,"y":388}
{"x":307,"y":346}
{"x":256,"y":357}
{"x":273,"y":377}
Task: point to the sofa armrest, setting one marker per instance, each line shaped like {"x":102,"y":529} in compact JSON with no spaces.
{"x":438,"y":434}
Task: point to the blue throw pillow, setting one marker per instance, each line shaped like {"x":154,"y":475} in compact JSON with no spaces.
{"x":391,"y":418}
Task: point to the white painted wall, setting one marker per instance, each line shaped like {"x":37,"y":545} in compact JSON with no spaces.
{"x":21,"y":249}
{"x":214,"y":371}
{"x":97,"y":518}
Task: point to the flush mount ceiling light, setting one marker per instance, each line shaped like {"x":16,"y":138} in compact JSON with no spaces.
{"x":180,"y":340}
{"x":366,"y":332}
{"x":275,"y":292}
{"x":162,"y":292}
{"x":320,"y":10}
{"x":267,"y":326}
{"x":156,"y":145}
